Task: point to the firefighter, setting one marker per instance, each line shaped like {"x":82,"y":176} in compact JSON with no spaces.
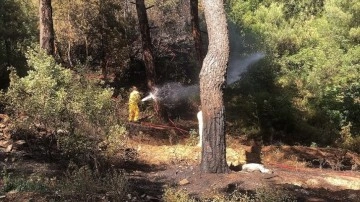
{"x":134,"y":100}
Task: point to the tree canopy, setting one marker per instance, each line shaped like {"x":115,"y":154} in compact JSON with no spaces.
{"x":313,"y":49}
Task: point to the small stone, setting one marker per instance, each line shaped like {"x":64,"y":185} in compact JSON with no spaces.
{"x":4,"y":143}
{"x":184,"y":182}
{"x":9,"y":148}
{"x":129,"y":196}
{"x":151,"y":198}
{"x":20,"y":142}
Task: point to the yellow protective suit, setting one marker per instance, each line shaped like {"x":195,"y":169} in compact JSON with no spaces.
{"x":134,"y":100}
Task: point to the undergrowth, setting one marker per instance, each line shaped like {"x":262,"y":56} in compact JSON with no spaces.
{"x":263,"y":194}
{"x":76,"y":183}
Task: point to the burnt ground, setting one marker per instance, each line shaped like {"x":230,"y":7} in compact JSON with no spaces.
{"x":171,"y":159}
{"x":296,"y":170}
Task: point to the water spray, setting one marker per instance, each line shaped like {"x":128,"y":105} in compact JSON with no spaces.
{"x":239,"y":65}
{"x":152,"y":95}
{"x":172,"y":94}
{"x":149,"y":97}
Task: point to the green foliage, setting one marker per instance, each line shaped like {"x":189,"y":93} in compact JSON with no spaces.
{"x":348,"y":140}
{"x":77,"y":111}
{"x":193,"y":138}
{"x":116,"y":139}
{"x":22,"y":184}
{"x":52,"y":95}
{"x":312,"y":48}
{"x":17,"y":31}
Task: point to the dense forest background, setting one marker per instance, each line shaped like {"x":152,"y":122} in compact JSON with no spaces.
{"x":294,"y":65}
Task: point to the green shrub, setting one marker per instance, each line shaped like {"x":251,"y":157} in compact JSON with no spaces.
{"x":78,"y":111}
{"x":194,"y":138}
{"x":347,"y":140}
{"x":22,"y":183}
{"x":116,"y":139}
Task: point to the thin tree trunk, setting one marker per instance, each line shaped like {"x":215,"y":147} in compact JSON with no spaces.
{"x":148,"y":56}
{"x":104,"y":44}
{"x":86,"y":48}
{"x":69,"y":54}
{"x":196,"y":31}
{"x":46,"y":27}
{"x":8,"y":52}
{"x":212,"y":81}
{"x":4,"y":72}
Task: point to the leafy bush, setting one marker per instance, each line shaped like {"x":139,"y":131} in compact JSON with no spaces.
{"x":22,"y":183}
{"x":347,"y":140}
{"x":77,"y":111}
{"x":193,"y":138}
{"x":115,"y":139}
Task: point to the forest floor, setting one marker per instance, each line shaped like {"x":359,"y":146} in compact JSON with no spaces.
{"x":296,"y":170}
{"x":163,"y":161}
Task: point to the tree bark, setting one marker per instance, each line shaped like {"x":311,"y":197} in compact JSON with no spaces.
{"x":148,"y":56}
{"x":46,"y":27}
{"x":212,"y":82}
{"x":104,"y":43}
{"x":195,"y":27}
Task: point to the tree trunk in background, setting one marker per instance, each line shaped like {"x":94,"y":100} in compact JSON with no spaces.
{"x":148,"y":56}
{"x":103,"y":39}
{"x":146,"y":43}
{"x":212,"y":81}
{"x":69,"y":36}
{"x":196,"y":31}
{"x":46,"y":27}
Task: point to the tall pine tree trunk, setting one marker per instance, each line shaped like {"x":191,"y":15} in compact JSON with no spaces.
{"x":194,"y":12}
{"x":46,"y":27}
{"x":212,"y":82}
{"x":148,"y":56}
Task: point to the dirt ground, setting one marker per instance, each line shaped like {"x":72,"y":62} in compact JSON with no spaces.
{"x":295,"y":169}
{"x":163,"y":160}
